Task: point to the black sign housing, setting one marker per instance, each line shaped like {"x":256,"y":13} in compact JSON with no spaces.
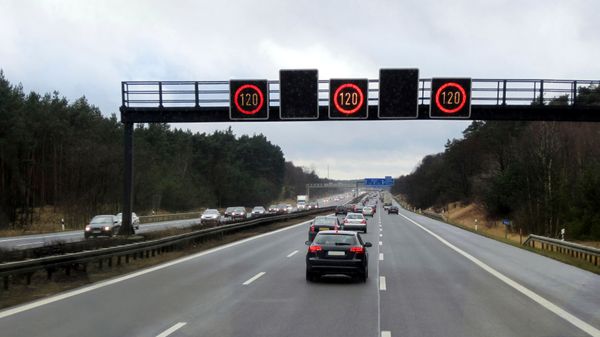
{"x":398,"y":93}
{"x":299,"y":94}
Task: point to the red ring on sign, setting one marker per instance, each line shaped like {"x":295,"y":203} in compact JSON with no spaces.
{"x":260,"y":98}
{"x":455,"y":85}
{"x":360,"y":98}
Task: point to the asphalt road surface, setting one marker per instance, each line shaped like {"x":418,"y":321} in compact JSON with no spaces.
{"x":426,"y":279}
{"x":39,"y":240}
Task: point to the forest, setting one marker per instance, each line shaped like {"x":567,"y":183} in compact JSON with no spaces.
{"x":544,"y":175}
{"x":68,"y":156}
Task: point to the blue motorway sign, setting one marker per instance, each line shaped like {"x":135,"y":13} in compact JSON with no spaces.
{"x":387,"y":181}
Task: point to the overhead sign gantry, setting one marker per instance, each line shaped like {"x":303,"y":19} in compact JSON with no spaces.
{"x":300,"y":95}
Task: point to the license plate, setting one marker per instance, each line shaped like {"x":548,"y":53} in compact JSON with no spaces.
{"x":336,"y":253}
{"x":323,"y":228}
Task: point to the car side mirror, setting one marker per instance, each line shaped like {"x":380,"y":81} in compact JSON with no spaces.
{"x":307,"y":243}
{"x":368,"y":244}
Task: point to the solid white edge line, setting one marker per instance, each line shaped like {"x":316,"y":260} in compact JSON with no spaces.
{"x":386,"y":334}
{"x":254,"y":278}
{"x":292,"y":253}
{"x":71,"y":293}
{"x":380,"y":256}
{"x":587,"y":328}
{"x":382,"y":285}
{"x":172,"y":329}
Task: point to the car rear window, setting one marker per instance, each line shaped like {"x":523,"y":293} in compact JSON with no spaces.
{"x":355,"y":216}
{"x":333,"y":239}
{"x":211,"y":211}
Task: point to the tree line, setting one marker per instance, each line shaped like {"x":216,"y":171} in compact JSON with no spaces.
{"x":543,"y":175}
{"x":69,"y":156}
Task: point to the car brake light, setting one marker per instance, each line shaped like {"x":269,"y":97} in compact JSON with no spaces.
{"x":364,"y":221}
{"x":357,"y":249}
{"x":345,"y":220}
{"x":314,"y":249}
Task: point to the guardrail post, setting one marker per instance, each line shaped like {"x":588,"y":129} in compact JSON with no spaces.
{"x":541,"y":92}
{"x":574,"y":94}
{"x":110,"y":261}
{"x":68,"y":270}
{"x":119,"y":260}
{"x":28,"y":278}
{"x":49,"y":272}
{"x":126,"y":258}
{"x":100,"y":263}
{"x":6,"y":279}
{"x":197,"y":94}
{"x":504,"y":93}
{"x":160,"y":95}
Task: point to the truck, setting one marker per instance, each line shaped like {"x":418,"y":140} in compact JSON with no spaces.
{"x":387,"y":200}
{"x":301,"y":202}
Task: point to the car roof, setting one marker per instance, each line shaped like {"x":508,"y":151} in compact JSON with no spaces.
{"x":338,"y":232}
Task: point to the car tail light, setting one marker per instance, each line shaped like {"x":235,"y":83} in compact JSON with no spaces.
{"x":357,"y":249}
{"x":345,"y":220}
{"x":364,"y":222}
{"x":314,"y":249}
{"x":312,"y":228}
{"x":336,"y":227}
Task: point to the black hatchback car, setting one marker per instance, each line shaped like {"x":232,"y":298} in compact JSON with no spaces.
{"x":340,"y":209}
{"x":323,"y":223}
{"x":392,"y":209}
{"x":337,"y":252}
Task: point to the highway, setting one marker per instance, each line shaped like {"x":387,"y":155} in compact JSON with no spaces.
{"x":39,"y":240}
{"x":426,"y":278}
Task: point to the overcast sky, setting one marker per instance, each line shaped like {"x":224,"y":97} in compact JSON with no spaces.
{"x":89,"y":47}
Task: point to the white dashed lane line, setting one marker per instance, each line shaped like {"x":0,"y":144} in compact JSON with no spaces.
{"x":381,"y":243}
{"x":254,"y":278}
{"x":380,"y":256}
{"x":172,"y":329}
{"x":382,"y":285}
{"x":292,"y":253}
{"x":386,"y":334}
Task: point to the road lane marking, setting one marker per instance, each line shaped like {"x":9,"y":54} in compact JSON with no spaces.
{"x":103,"y":284}
{"x":172,"y":329}
{"x":386,"y":334}
{"x":381,"y":243}
{"x":292,"y":253}
{"x":382,"y":285}
{"x":587,"y":328}
{"x":31,"y":243}
{"x":380,"y":256}
{"x":380,"y":235}
{"x":254,"y":278}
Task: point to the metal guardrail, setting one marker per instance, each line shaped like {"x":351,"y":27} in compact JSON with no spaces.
{"x":168,"y":217}
{"x":588,"y":254}
{"x":216,"y":93}
{"x":134,"y":250}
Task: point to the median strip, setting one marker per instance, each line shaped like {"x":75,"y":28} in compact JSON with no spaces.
{"x":254,"y":278}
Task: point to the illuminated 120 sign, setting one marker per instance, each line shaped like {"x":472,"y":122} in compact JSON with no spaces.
{"x":348,"y":98}
{"x":249,"y":99}
{"x":450,"y":98}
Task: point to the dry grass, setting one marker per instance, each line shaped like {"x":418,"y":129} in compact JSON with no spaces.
{"x":19,"y":292}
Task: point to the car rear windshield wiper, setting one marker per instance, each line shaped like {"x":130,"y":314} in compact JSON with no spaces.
{"x":342,"y":244}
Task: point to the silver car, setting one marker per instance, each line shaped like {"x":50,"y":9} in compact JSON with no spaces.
{"x":135,"y":220}
{"x":210,"y":216}
{"x":367,"y":210}
{"x":355,"y":221}
{"x":102,"y":225}
{"x":258,"y":211}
